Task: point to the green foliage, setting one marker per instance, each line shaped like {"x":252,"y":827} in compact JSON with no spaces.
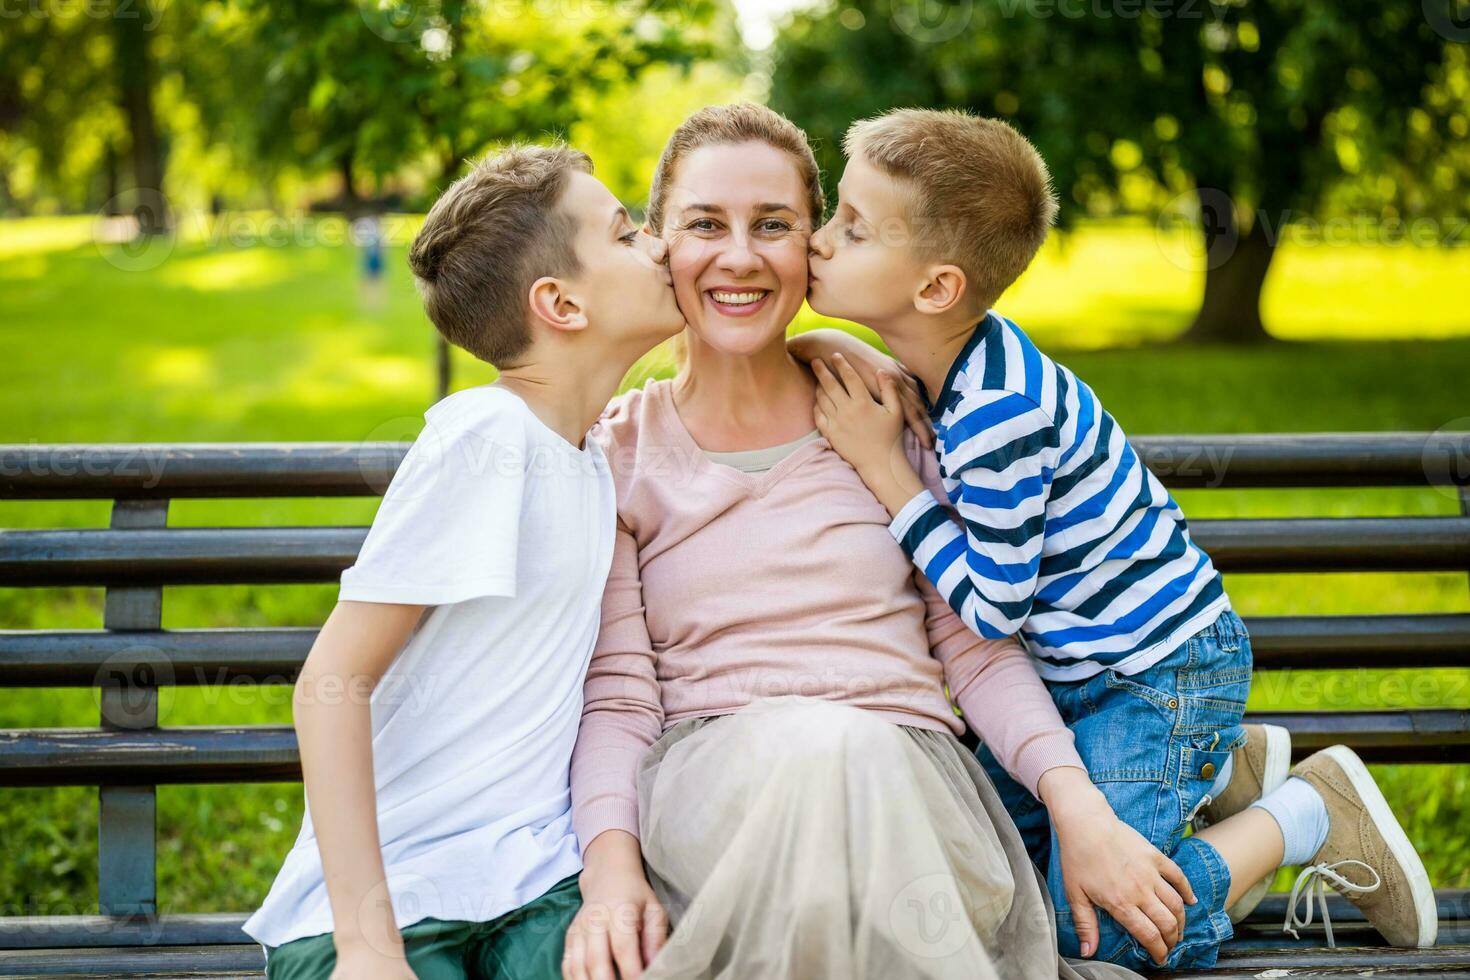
{"x":253,"y":92}
{"x":1286,"y":105}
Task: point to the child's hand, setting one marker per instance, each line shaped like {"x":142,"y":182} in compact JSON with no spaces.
{"x":866,"y":433}
{"x":1107,"y":863}
{"x":863,"y":431}
{"x":621,"y":923}
{"x":868,"y":362}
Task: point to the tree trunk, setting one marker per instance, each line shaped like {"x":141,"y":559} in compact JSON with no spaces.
{"x":135,"y":87}
{"x":1230,"y":312}
{"x":351,"y":205}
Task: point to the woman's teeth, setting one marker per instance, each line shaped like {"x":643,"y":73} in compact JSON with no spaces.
{"x":737,"y":299}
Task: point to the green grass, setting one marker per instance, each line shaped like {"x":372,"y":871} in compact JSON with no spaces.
{"x":220,"y":342}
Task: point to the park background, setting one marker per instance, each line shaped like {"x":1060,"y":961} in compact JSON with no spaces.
{"x":1264,"y":207}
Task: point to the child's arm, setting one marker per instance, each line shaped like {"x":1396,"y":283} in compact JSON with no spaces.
{"x":621,"y":920}
{"x":334,"y":729}
{"x":869,"y":362}
{"x":1003,"y":450}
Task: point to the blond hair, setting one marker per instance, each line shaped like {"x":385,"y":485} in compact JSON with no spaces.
{"x":492,"y":234}
{"x":983,"y":198}
{"x":726,"y":125}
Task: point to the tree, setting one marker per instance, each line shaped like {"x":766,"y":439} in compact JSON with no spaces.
{"x":372,"y":88}
{"x":1261,"y":111}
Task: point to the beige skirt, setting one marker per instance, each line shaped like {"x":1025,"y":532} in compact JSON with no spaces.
{"x":804,"y":839}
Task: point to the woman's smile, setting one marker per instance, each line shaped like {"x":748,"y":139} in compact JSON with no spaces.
{"x":737,"y":300}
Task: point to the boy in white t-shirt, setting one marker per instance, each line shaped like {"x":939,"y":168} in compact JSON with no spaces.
{"x":438,"y":708}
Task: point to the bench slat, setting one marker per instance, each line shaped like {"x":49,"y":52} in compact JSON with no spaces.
{"x":212,"y":556}
{"x":81,"y":471}
{"x":273,"y":655}
{"x":242,"y":960}
{"x":267,"y":753}
{"x":212,"y":928}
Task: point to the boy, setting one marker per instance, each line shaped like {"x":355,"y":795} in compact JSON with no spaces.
{"x":437,"y":710}
{"x":1065,"y":537}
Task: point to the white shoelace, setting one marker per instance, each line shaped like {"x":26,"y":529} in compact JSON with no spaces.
{"x":1312,"y":881}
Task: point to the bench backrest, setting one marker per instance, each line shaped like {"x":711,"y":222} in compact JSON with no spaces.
{"x":133,"y":559}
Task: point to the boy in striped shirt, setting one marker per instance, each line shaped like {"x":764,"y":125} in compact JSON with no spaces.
{"x":1064,"y":536}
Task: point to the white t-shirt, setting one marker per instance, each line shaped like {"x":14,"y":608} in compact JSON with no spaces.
{"x":506,"y":530}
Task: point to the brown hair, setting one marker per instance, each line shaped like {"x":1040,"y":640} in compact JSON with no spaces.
{"x":495,"y":231}
{"x":983,"y":196}
{"x":723,"y":125}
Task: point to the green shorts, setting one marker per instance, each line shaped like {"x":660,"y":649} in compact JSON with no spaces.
{"x":522,"y":945}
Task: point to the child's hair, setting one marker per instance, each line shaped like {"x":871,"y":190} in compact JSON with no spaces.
{"x":488,"y":238}
{"x":982,"y":195}
{"x":725,"y":125}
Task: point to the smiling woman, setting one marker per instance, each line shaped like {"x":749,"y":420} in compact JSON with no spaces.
{"x":765,"y":720}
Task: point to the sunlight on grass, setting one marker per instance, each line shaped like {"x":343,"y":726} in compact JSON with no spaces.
{"x":37,"y":236}
{"x":254,"y":267}
{"x":1120,"y":283}
{"x":179,"y":367}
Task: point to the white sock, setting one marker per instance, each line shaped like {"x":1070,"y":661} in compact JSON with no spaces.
{"x":1222,"y":781}
{"x":1302,"y":816}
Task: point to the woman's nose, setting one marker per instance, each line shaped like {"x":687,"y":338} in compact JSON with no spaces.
{"x":738,"y":257}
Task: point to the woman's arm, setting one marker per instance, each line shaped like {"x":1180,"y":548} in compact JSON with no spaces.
{"x":621,"y":921}
{"x":330,"y":705}
{"x":1105,"y":862}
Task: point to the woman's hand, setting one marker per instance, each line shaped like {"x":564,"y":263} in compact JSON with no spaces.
{"x":866,"y":433}
{"x":1107,"y":863}
{"x":621,"y":922}
{"x":869,"y":362}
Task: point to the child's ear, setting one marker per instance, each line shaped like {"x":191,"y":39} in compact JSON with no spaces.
{"x":553,"y":303}
{"x":942,"y":289}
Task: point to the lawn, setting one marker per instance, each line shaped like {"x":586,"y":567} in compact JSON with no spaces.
{"x":233,"y":339}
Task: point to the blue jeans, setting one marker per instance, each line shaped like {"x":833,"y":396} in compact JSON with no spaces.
{"x":1153,"y":743}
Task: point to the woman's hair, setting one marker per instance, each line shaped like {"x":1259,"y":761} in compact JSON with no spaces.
{"x":725,"y":125}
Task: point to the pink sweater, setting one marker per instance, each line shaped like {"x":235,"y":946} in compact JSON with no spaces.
{"x":728,"y":587}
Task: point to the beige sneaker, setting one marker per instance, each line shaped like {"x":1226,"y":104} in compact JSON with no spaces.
{"x":1367,"y":856}
{"x":1257,"y":767}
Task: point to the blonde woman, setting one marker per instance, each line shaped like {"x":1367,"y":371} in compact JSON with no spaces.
{"x":768,"y":761}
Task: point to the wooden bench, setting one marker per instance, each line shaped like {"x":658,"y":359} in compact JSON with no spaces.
{"x":127,"y":756}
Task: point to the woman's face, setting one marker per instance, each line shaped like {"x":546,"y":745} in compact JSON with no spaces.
{"x":737,"y":224}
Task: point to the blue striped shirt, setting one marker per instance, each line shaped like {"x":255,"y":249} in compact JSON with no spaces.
{"x":1065,"y":536}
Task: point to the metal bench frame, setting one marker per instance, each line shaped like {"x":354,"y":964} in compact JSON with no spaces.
{"x":127,"y":756}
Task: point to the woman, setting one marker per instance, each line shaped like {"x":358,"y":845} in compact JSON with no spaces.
{"x":765,"y":722}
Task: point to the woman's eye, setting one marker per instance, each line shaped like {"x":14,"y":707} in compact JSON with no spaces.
{"x":701,"y":224}
{"x":774,"y":226}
